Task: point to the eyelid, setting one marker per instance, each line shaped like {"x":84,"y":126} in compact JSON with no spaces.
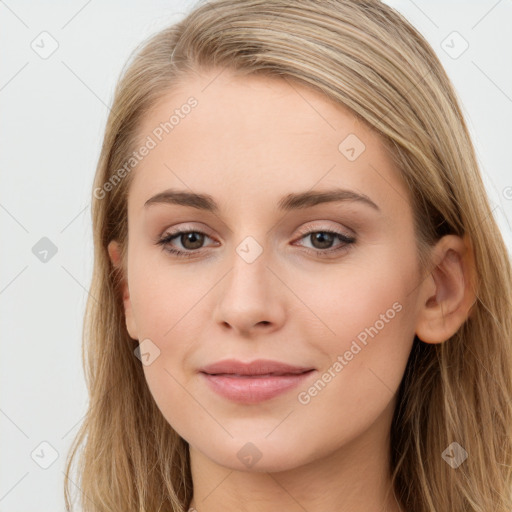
{"x":308,"y":229}
{"x":188,"y":227}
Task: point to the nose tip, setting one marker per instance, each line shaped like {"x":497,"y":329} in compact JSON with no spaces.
{"x":250,"y":297}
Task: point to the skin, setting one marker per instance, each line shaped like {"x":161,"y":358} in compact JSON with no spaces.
{"x":249,"y":142}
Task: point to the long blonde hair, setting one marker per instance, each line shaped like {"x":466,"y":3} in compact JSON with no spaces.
{"x":367,"y":57}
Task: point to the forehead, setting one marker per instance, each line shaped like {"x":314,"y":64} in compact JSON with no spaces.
{"x":251,"y":137}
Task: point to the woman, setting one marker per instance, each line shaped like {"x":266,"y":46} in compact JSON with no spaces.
{"x":301,"y":298}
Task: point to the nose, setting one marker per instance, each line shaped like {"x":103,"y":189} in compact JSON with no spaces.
{"x":250,"y":298}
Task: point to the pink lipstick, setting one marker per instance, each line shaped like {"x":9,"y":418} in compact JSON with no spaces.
{"x":253,"y":382}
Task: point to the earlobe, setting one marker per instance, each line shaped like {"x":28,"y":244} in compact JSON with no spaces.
{"x":114,"y":252}
{"x":448,"y":293}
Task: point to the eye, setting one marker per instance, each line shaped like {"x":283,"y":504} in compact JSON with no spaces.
{"x":323,"y":239}
{"x":191,"y":241}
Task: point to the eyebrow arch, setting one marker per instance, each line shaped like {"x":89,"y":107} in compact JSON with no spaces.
{"x":289,"y":202}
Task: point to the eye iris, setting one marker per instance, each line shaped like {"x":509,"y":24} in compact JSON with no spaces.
{"x":324,"y":238}
{"x":195,"y":238}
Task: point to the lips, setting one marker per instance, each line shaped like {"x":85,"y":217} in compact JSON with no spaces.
{"x":259,"y":367}
{"x":251,"y":383}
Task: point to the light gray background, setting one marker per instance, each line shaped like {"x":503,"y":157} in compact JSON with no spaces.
{"x":53,"y":115}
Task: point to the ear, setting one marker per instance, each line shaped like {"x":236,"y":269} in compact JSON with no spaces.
{"x":114,"y":252}
{"x":448,"y":293}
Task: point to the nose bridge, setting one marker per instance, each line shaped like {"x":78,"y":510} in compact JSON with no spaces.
{"x":249,"y":274}
{"x":247,"y":295}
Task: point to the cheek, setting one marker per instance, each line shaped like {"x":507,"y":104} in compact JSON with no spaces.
{"x":347,"y":300}
{"x":163,"y":293}
{"x":365,"y":328}
{"x":363,"y":361}
{"x":166,"y":310}
{"x":165,"y":304}
{"x":359,"y":381}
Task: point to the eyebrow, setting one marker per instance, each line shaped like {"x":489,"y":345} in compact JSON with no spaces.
{"x":289,"y":202}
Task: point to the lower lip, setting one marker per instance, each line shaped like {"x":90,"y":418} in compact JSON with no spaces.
{"x":251,"y":390}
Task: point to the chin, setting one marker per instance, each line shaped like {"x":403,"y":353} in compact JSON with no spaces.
{"x":259,"y":456}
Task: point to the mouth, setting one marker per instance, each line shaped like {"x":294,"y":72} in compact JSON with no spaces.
{"x":254,"y":368}
{"x":253,"y":389}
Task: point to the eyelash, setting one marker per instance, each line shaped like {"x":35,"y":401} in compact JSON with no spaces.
{"x":165,"y":241}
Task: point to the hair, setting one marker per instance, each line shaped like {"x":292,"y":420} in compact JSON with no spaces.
{"x":365,"y":56}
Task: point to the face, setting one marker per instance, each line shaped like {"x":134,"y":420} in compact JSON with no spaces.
{"x":266,"y":272}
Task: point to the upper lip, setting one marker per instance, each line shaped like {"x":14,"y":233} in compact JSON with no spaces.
{"x":257,"y":367}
